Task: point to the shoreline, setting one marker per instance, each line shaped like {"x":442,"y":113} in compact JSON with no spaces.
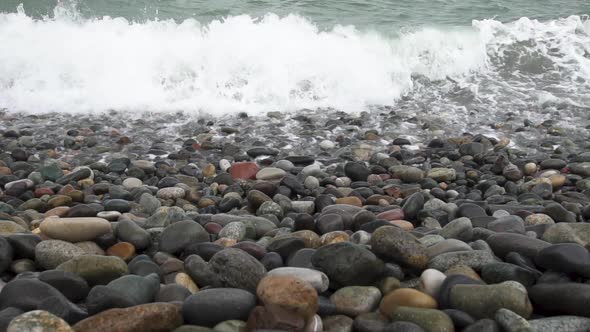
{"x":304,"y":221}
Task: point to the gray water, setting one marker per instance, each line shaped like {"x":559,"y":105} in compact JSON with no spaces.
{"x":377,"y":14}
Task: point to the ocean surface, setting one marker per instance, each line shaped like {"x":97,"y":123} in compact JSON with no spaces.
{"x":456,"y":59}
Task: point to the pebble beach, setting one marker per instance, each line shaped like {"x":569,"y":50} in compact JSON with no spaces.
{"x":309,"y":221}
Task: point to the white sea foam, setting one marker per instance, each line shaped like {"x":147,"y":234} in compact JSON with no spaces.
{"x":68,"y":63}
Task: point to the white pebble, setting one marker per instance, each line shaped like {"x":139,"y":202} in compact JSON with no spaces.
{"x":431,"y":280}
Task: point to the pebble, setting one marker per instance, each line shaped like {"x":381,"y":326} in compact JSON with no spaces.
{"x":290,"y":293}
{"x":561,"y":298}
{"x":212,"y":306}
{"x":129,"y":231}
{"x":347,"y":264}
{"x":560,"y":323}
{"x":95,"y":269}
{"x":355,"y":300}
{"x":430,"y":281}
{"x":568,"y":232}
{"x":504,"y":243}
{"x":74,"y":229}
{"x":460,"y":229}
{"x":178,"y":235}
{"x":565,"y":257}
{"x":49,"y":254}
{"x":73,"y":287}
{"x":483,"y":301}
{"x":137,"y":289}
{"x":38,"y":320}
{"x":171,"y":193}
{"x":151,"y":317}
{"x":394,"y":243}
{"x":315,"y":278}
{"x":7,"y":226}
{"x":430,"y":320}
{"x":445,"y":246}
{"x":270,"y":174}
{"x":6,"y":254}
{"x":475,"y":259}
{"x":243,"y":171}
{"x":406,"y":297}
{"x":237,"y":269}
{"x":512,"y":322}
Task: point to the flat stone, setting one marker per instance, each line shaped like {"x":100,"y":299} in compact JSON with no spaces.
{"x":442,"y":174}
{"x":73,"y":287}
{"x":270,"y":318}
{"x":512,"y":322}
{"x":237,"y":269}
{"x":137,"y":289}
{"x":370,"y":321}
{"x":101,"y":298}
{"x":393,"y":214}
{"x":445,"y":246}
{"x":171,"y":193}
{"x":402,"y":326}
{"x":483,"y":301}
{"x":172,"y":293}
{"x":431,"y":320}
{"x":408,"y":174}
{"x":152,"y":317}
{"x":129,"y":231}
{"x":7,"y":226}
{"x":412,"y":206}
{"x":356,"y":300}
{"x":483,"y":325}
{"x":538,"y":219}
{"x":338,"y":323}
{"x":504,"y":243}
{"x":558,"y":213}
{"x":562,"y":298}
{"x":289,"y":293}
{"x":356,"y":171}
{"x":400,"y":246}
{"x":405,"y":297}
{"x":234,"y":230}
{"x":582,"y":169}
{"x":77,"y":175}
{"x":430,"y":281}
{"x":6,"y":254}
{"x":95,"y":269}
{"x":561,"y":323}
{"x":75,"y":229}
{"x":270,"y":174}
{"x":460,"y":229}
{"x":32,"y":294}
{"x":38,"y":320}
{"x":495,"y":273}
{"x":565,"y":257}
{"x":568,"y":232}
{"x":471,"y":210}
{"x":317,"y":279}
{"x":51,"y":253}
{"x":347,"y":264}
{"x":243,"y":171}
{"x":475,"y":259}
{"x":212,"y":306}
{"x":130,"y":183}
{"x":178,"y":235}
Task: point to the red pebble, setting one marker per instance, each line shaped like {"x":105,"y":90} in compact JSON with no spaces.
{"x":394,"y":214}
{"x":43,"y":191}
{"x":244,"y":171}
